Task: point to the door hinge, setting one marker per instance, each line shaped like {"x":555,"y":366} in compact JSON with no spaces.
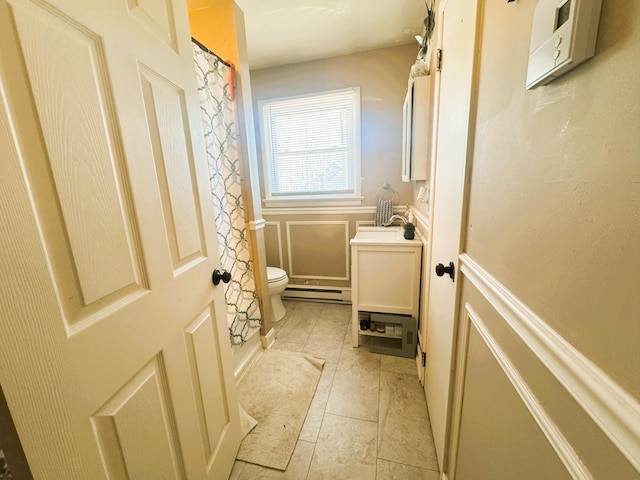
{"x":439,"y":60}
{"x":424,"y":359}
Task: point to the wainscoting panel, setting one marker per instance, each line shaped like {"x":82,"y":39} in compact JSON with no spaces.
{"x":499,"y":439}
{"x":273,"y":243}
{"x":512,"y":369}
{"x":312,"y":245}
{"x":318,"y":249}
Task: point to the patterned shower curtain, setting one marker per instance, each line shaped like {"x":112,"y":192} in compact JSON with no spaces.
{"x":221,"y":139}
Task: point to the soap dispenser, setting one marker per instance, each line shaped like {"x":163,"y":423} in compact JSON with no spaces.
{"x":408,"y":214}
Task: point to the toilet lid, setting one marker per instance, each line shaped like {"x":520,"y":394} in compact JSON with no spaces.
{"x":275,"y":274}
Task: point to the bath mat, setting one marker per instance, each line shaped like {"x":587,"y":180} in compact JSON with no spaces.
{"x":247,"y":422}
{"x":277,"y":392}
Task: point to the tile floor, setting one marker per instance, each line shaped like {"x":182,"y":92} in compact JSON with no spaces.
{"x":368,"y":419}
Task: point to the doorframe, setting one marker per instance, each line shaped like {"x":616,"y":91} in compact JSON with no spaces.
{"x":460,"y":327}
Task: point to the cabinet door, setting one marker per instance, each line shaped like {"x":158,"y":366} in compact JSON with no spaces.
{"x":420,"y":128}
{"x":416,"y":130}
{"x":388,"y":281}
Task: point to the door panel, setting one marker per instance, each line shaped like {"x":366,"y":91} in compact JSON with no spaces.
{"x":139,"y":411}
{"x":116,"y":356}
{"x":156,"y":17}
{"x":88,"y":182}
{"x":207,"y":378}
{"x":457,"y":24}
{"x":164,"y":102}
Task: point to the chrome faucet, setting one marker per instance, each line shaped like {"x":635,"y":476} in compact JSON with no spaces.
{"x":395,"y":217}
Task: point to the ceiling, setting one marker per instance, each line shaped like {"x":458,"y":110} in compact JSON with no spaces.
{"x":280,"y":32}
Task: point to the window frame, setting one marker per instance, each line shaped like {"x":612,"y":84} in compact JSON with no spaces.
{"x":326,"y":199}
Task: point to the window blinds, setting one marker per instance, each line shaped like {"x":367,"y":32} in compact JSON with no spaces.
{"x":310,"y":143}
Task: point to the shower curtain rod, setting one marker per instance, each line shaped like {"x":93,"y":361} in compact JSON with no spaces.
{"x":203,"y":47}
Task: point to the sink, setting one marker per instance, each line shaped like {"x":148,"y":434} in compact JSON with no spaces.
{"x":382,"y":235}
{"x":379,"y":235}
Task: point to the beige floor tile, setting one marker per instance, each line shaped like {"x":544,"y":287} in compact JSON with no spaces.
{"x":288,"y":346}
{"x":323,"y":347}
{"x":337,"y":312}
{"x":355,"y":389}
{"x":404,"y":431}
{"x":346,"y":449}
{"x":236,"y":471}
{"x":330,"y":328}
{"x":297,"y":330}
{"x":311,"y":426}
{"x":348,"y":338}
{"x":388,"y":429}
{"x":399,"y":365}
{"x":296,"y":470}
{"x":397,"y":471}
{"x":309,"y":309}
{"x":431,"y":475}
{"x":328,"y":331}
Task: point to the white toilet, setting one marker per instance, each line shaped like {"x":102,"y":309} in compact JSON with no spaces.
{"x":278,"y":281}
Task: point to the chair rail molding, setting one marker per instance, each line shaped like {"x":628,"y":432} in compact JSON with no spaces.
{"x":614,"y":410}
{"x":326,"y":210}
{"x":257,"y":224}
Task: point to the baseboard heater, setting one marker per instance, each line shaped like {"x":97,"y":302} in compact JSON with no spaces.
{"x":318,"y":293}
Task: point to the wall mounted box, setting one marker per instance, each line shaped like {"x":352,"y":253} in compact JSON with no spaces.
{"x":563,"y":36}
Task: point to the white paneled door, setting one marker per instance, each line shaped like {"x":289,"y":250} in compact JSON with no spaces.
{"x":457,"y":38}
{"x":115,"y":356}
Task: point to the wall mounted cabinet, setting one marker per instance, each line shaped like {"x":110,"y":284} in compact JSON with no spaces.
{"x":416,"y":129}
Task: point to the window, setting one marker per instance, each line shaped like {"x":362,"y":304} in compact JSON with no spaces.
{"x":311,"y":148}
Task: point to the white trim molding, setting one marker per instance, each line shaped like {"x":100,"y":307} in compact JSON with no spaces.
{"x":450,"y":460}
{"x":614,"y":410}
{"x":558,"y":441}
{"x":364,"y":223}
{"x":246,"y":355}
{"x":269,"y":339}
{"x":327,"y":210}
{"x":257,"y":224}
{"x":423,"y":221}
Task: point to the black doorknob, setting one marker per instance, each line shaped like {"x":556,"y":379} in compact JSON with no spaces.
{"x":450,"y":269}
{"x":218,"y":275}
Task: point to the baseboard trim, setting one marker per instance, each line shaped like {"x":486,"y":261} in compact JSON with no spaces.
{"x":615,"y":411}
{"x":253,"y":351}
{"x":269,"y":339}
{"x":550,"y":430}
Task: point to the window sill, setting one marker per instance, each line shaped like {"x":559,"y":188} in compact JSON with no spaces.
{"x":313,"y":202}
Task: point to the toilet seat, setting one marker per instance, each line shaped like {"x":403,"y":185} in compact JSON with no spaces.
{"x":275,"y":274}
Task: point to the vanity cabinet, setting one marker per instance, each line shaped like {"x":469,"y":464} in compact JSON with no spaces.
{"x":385,"y":276}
